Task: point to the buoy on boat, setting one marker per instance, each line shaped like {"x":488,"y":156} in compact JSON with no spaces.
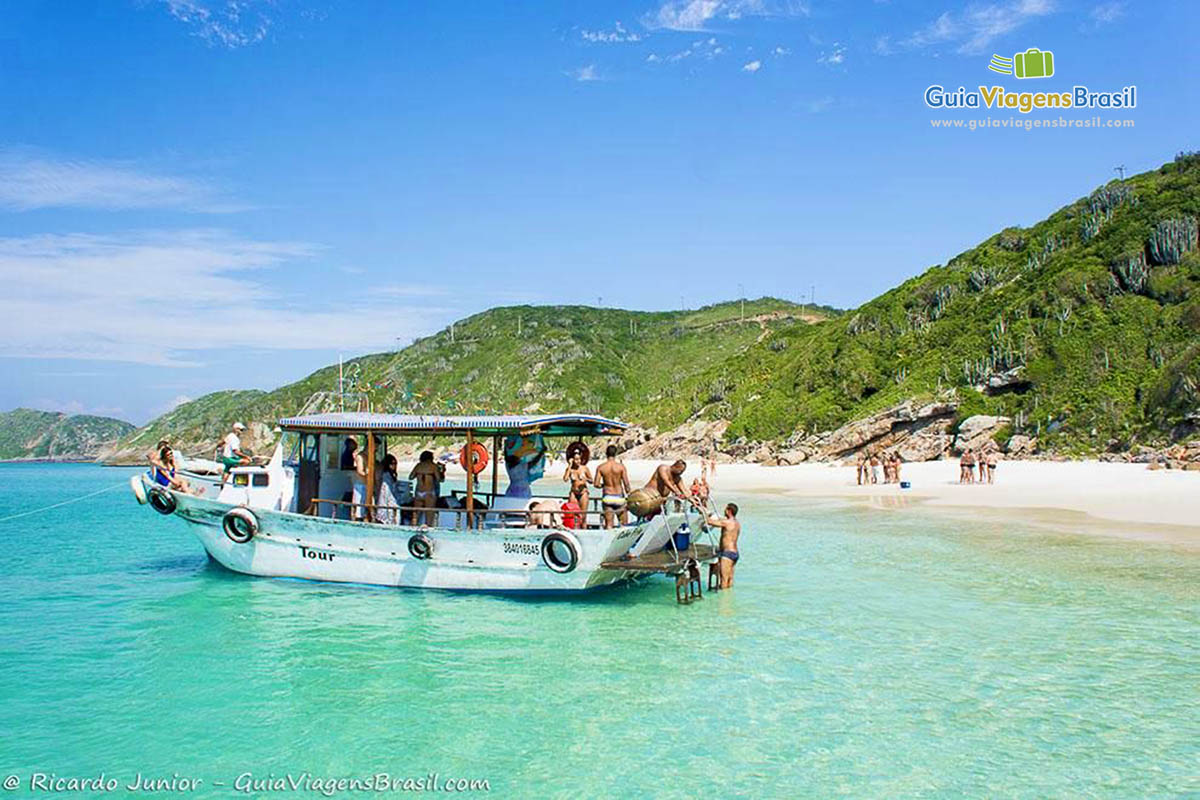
{"x":578,"y":448}
{"x":240,"y":525}
{"x":481,"y":457}
{"x":139,"y":491}
{"x":560,"y":552}
{"x":161,"y":500}
{"x":420,"y":546}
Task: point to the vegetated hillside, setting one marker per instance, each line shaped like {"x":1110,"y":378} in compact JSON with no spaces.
{"x":1084,"y":328}
{"x":522,"y":358}
{"x":29,"y":434}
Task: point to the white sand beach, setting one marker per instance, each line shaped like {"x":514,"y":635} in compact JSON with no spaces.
{"x":1126,"y":493}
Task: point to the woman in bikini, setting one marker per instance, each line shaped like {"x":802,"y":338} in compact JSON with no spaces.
{"x":579,"y":476}
{"x":164,"y":472}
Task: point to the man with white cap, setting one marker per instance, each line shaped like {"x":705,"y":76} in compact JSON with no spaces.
{"x":231,"y":451}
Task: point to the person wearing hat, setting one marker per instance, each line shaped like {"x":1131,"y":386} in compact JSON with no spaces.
{"x":231,"y":451}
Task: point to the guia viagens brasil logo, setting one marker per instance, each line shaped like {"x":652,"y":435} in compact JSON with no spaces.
{"x":1029,"y":64}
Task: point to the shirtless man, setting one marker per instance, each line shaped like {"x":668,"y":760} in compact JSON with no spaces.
{"x":667,"y":480}
{"x":428,"y":476}
{"x":613,"y":481}
{"x":580,"y":477}
{"x":727,"y":552}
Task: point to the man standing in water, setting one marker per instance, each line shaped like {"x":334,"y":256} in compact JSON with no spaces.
{"x":727,"y":552}
{"x":614,"y":482}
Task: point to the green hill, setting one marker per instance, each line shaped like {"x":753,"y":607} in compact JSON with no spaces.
{"x":1085,"y":325}
{"x":518,"y":358}
{"x":1084,"y":329}
{"x":29,"y":434}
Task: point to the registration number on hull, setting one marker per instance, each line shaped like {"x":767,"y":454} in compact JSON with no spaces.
{"x":522,"y":548}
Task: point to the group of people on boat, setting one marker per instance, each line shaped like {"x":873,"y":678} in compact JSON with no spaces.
{"x":869,"y":464}
{"x":985,"y":459}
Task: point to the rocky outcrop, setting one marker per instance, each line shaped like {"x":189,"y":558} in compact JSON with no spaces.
{"x":1021,"y":446}
{"x":978,"y":431}
{"x":919,"y":432}
{"x":696,"y":438}
{"x":1012,"y":380}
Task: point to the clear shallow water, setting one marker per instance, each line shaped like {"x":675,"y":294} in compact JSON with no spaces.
{"x":863,"y":653}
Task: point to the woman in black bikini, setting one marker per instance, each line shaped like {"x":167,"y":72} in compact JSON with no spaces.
{"x":580,"y":477}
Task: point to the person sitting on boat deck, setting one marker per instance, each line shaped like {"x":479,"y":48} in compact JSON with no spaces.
{"x":613,"y":480}
{"x":164,"y":472}
{"x":667,"y":480}
{"x":231,"y":451}
{"x":387,"y":496}
{"x":727,"y":550}
{"x":579,"y":476}
{"x":429,"y":476}
{"x":155,"y":455}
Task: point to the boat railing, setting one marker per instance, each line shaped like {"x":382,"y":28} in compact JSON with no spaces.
{"x":464,"y":519}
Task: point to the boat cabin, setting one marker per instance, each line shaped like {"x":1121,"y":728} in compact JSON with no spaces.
{"x":322,"y":465}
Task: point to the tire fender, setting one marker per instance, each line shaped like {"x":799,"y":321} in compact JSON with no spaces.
{"x":240,"y":525}
{"x":560,"y":552}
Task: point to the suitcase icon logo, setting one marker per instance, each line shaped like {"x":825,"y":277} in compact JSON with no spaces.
{"x":1033,"y":63}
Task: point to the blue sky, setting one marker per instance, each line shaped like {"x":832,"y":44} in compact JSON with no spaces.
{"x":204,"y":194}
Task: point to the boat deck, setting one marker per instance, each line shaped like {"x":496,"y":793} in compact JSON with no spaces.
{"x":664,"y":561}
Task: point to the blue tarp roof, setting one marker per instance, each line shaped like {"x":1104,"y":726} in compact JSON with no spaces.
{"x":414,"y":424}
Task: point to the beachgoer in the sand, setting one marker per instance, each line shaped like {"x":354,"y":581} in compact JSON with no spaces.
{"x":860,"y":469}
{"x":992,"y":458}
{"x":580,"y":477}
{"x":969,"y":465}
{"x":896,"y":462}
{"x":613,"y":482}
{"x":429,"y":476}
{"x":727,"y":549}
{"x":874,"y":467}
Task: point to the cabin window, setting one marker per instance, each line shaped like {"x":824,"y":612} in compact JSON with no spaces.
{"x":262,"y":479}
{"x":241,"y":479}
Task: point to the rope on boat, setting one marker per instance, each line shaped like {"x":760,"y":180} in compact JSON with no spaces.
{"x":63,"y":503}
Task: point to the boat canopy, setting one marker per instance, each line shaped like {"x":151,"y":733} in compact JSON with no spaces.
{"x":484,"y":425}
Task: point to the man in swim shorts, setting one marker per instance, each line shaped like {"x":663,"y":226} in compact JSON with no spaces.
{"x":667,"y":480}
{"x":613,"y":481}
{"x":727,"y":551}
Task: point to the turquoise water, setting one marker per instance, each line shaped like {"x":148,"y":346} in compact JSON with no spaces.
{"x":863,"y":653}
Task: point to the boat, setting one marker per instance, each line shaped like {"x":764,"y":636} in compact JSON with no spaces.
{"x":293,"y":516}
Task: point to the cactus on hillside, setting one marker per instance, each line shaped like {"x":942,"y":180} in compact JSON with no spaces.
{"x":1131,"y":273}
{"x":1171,"y":239}
{"x":1101,"y":206}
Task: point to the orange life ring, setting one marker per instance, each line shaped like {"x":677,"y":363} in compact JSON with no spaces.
{"x":578,"y":449}
{"x":481,"y":457}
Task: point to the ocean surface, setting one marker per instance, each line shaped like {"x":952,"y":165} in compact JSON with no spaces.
{"x":863,"y":653}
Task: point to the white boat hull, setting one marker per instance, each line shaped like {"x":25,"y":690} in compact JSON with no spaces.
{"x":497,"y":560}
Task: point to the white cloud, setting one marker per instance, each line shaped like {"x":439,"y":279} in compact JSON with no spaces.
{"x":231,"y":23}
{"x":1105,"y":13}
{"x":883,"y":45}
{"x":781,"y":51}
{"x":585,"y":73}
{"x":694,"y":15}
{"x":31,"y":179}
{"x":977,"y":26}
{"x":158,"y":298}
{"x":752,"y":66}
{"x":616,"y":35}
{"x":653,"y":58}
{"x":835,"y":57}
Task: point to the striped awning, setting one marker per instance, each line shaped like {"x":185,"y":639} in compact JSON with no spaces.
{"x":483,"y":425}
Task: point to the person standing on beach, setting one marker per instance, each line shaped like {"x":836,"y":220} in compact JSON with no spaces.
{"x":727,"y":549}
{"x":983,"y":466}
{"x":860,"y":469}
{"x":969,"y":465}
{"x":992,"y":458}
{"x":896,"y":462}
{"x":613,"y":482}
{"x":874,"y":468}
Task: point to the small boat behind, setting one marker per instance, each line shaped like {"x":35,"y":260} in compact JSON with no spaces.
{"x":301,"y":515}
